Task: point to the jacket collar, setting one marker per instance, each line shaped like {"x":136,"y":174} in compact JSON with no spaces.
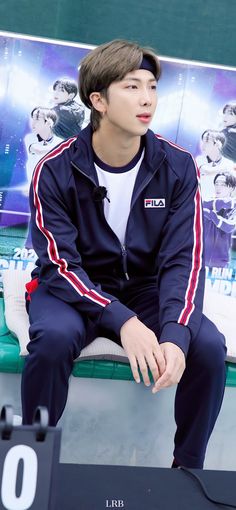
{"x":83,"y":157}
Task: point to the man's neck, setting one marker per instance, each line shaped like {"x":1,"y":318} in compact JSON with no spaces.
{"x":214,"y":155}
{"x":117,"y":149}
{"x":46,"y":134}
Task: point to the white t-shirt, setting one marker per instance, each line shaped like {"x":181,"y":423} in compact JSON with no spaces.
{"x":119,"y":183}
{"x":31,"y":140}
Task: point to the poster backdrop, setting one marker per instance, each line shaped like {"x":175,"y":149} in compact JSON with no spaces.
{"x":40,"y":106}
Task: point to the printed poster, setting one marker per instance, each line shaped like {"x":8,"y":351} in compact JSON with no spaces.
{"x":40,"y":107}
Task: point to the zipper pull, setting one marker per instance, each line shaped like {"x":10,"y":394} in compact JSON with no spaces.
{"x":124,"y":260}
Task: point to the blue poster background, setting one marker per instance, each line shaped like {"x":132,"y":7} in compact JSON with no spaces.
{"x":191,"y":99}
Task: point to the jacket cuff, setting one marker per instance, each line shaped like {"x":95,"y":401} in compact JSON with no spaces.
{"x":115,"y":315}
{"x":176,"y":334}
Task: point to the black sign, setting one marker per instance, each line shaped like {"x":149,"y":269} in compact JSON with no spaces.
{"x":29,"y":458}
{"x":94,"y":487}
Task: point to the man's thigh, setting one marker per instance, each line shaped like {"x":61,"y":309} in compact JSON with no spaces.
{"x":50,"y":314}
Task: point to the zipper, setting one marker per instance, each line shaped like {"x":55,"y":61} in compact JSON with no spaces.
{"x":124,"y":261}
{"x":123,"y":248}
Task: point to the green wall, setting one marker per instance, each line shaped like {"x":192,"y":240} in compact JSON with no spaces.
{"x":193,"y":29}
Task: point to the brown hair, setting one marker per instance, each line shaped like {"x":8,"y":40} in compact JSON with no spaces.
{"x":111,"y":62}
{"x":46,"y":113}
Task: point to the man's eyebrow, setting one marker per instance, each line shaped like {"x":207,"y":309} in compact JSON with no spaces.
{"x":132,"y":78}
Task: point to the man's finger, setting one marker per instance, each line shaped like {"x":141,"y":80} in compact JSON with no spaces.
{"x":160,"y":360}
{"x":134,"y":367}
{"x":153,"y":367}
{"x":164,"y":381}
{"x":144,"y":370}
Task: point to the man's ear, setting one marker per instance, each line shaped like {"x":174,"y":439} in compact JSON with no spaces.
{"x":98,"y":102}
{"x":49,"y":121}
{"x":71,"y":96}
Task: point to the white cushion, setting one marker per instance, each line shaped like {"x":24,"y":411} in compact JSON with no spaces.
{"x":103,"y":348}
{"x":17,"y":319}
{"x":219,"y":308}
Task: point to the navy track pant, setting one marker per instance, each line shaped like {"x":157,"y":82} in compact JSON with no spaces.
{"x":58,"y":334}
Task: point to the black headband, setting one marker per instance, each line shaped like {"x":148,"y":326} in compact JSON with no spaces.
{"x":148,"y":65}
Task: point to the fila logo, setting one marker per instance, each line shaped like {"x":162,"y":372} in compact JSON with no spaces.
{"x":154,"y":202}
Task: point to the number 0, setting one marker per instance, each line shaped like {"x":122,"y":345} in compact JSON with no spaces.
{"x":29,"y":478}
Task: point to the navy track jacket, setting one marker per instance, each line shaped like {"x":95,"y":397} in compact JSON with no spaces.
{"x":79,"y":254}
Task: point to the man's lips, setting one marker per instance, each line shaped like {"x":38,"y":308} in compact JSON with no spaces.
{"x":144,"y":117}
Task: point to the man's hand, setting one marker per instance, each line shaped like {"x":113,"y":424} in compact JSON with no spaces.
{"x":174,"y":366}
{"x":143,"y":350}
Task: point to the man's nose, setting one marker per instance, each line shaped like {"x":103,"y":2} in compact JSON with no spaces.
{"x":146,"y":97}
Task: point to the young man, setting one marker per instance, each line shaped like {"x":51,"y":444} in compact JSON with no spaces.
{"x":117,"y":226}
{"x":220,"y":221}
{"x":212,"y":160}
{"x":70,"y":113}
{"x":229,"y":121}
{"x":42,"y":139}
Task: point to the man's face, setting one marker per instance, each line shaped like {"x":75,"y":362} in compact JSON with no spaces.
{"x":229,"y":117}
{"x":37,"y":122}
{"x":207,"y":143}
{"x":211,"y":146}
{"x":221,"y":188}
{"x":40,"y":125}
{"x":131,"y":103}
{"x":60,"y":95}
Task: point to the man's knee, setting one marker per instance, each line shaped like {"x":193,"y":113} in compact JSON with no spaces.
{"x":53,"y":344}
{"x":209,"y":346}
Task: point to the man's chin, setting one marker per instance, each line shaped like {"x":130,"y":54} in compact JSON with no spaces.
{"x":143,"y":130}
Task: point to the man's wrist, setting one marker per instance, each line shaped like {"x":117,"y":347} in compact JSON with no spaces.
{"x":128,"y":323}
{"x":177,"y":334}
{"x":115,"y":315}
